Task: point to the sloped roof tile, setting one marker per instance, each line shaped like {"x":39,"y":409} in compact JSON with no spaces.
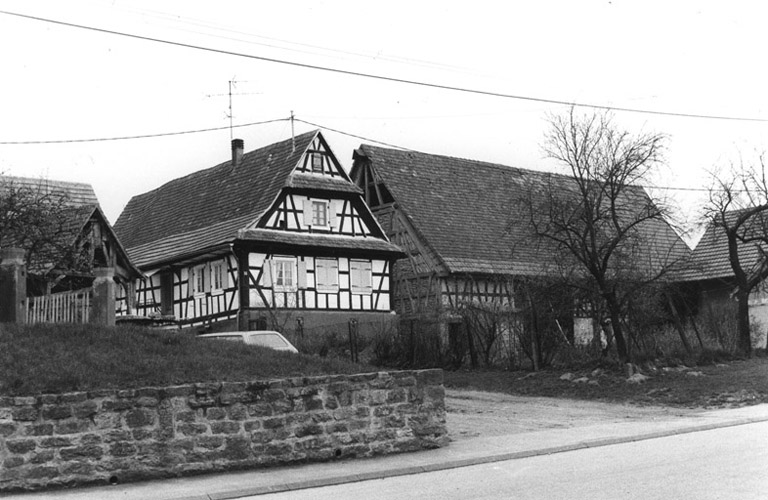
{"x":212,"y":197}
{"x":710,"y":257}
{"x":470,"y":212}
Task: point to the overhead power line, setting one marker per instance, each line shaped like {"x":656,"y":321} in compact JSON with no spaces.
{"x":387,"y":78}
{"x":354,"y":135}
{"x":143,"y":136}
{"x":403,"y":148}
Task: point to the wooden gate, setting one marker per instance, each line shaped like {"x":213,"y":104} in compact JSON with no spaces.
{"x":65,"y":307}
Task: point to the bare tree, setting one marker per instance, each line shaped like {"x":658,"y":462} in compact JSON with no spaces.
{"x":598,"y":223}
{"x":738,"y":209}
{"x":39,"y":220}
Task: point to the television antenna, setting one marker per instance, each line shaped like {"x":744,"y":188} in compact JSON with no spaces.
{"x":231,"y":115}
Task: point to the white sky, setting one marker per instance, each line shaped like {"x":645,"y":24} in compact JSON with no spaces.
{"x":60,"y":82}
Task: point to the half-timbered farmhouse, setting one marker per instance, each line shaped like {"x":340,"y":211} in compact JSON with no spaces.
{"x":465,"y":233}
{"x":273,"y":238}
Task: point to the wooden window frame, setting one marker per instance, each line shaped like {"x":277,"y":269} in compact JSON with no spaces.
{"x":199,"y":272}
{"x":282,"y":262}
{"x":317,"y":163}
{"x":218,"y":280}
{"x":317,"y":221}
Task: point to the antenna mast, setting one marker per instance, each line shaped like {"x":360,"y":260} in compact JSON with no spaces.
{"x":231,"y":115}
{"x":293,"y":136}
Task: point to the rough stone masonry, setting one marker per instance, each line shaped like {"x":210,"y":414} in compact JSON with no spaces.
{"x":126,"y":435}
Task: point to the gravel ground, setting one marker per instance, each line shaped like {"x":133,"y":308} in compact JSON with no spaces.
{"x":473,"y":414}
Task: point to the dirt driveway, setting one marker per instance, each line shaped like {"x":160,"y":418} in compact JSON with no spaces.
{"x":481,"y":414}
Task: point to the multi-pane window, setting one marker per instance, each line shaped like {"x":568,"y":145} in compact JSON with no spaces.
{"x":198,"y":279}
{"x":327,"y":274}
{"x":320,"y":213}
{"x":360,"y":276}
{"x":284,"y":274}
{"x":218,"y":274}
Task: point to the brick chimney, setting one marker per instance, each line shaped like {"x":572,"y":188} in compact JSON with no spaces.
{"x":237,"y":151}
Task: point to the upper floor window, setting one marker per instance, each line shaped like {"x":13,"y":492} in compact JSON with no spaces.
{"x":320,"y":213}
{"x":317,"y":163}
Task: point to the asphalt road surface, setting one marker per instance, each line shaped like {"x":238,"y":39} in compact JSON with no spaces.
{"x":725,"y":463}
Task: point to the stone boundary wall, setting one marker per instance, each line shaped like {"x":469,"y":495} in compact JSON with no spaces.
{"x":111,"y":436}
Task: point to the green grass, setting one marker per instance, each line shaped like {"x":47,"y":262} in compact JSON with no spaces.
{"x":734,"y":383}
{"x":61,"y":358}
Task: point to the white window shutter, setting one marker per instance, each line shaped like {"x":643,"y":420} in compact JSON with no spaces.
{"x":266,"y":274}
{"x":302,"y":277}
{"x":332,"y":218}
{"x":307,"y":212}
{"x":367,"y":277}
{"x":333,"y":273}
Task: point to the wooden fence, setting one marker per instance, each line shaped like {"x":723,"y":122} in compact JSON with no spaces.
{"x":65,"y":307}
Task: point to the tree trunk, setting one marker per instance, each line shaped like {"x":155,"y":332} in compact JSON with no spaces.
{"x":615,"y":313}
{"x":678,"y":324}
{"x":744,"y":341}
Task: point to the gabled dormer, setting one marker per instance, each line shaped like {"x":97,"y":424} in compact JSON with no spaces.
{"x":319,"y":197}
{"x":319,"y":160}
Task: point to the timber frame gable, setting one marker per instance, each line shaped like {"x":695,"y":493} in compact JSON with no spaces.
{"x":289,"y":235}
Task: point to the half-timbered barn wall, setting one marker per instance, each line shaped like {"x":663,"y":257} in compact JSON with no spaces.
{"x":415,"y":278}
{"x":459,"y":290}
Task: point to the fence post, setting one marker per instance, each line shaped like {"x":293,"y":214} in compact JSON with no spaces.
{"x":103,"y":307}
{"x":13,"y":286}
{"x":353,"y":340}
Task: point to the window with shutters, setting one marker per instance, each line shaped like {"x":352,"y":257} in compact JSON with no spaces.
{"x":218,"y":276}
{"x":198,"y":280}
{"x":327,"y":275}
{"x":320,"y":214}
{"x":284,"y":274}
{"x":360,"y":276}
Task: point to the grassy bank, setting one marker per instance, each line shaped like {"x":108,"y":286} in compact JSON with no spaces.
{"x":61,"y":358}
{"x":734,"y":383}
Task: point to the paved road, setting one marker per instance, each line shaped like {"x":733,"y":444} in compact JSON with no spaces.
{"x":722,"y":463}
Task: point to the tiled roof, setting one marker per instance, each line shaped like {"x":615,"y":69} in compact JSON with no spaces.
{"x":300,"y":180}
{"x":79,"y":205}
{"x":470,"y":212}
{"x":205,"y":211}
{"x":212,"y":204}
{"x":710,"y":257}
{"x":318,"y":240}
{"x":74,"y":194}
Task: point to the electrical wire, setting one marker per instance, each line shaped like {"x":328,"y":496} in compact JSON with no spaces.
{"x":403,"y":148}
{"x":355,"y":135}
{"x":318,"y":50}
{"x":393,"y":79}
{"x":143,"y":136}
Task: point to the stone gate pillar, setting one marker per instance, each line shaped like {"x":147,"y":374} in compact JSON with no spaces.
{"x":103,"y":304}
{"x":13,"y":286}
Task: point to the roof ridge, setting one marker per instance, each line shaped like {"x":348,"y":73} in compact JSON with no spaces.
{"x":223,"y":164}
